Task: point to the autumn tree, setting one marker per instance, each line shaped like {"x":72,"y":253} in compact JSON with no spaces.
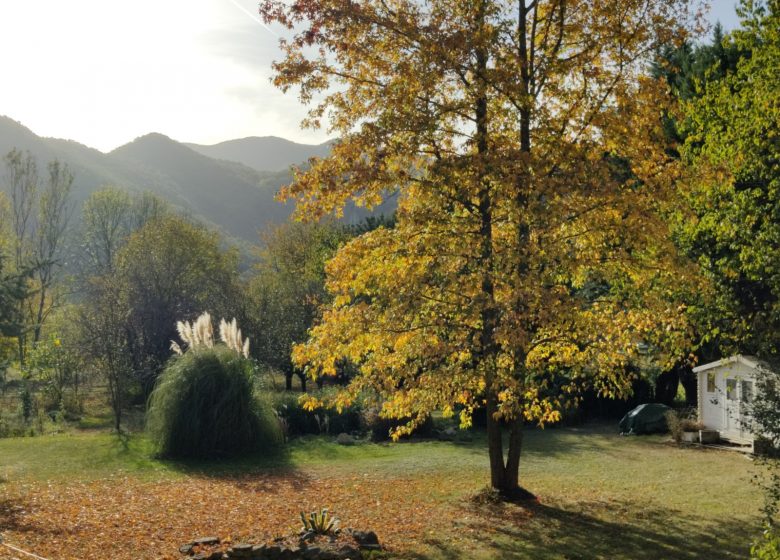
{"x":523,"y":140}
{"x":106,"y":224}
{"x":13,"y":290}
{"x":39,"y":215}
{"x":103,"y":333}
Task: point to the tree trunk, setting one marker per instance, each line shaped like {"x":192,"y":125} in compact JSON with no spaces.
{"x":505,"y":474}
{"x":39,"y":315}
{"x":688,"y":380}
{"x":666,"y":386}
{"x":495,"y":447}
{"x":118,"y":419}
{"x":288,"y":380}
{"x":302,"y":377}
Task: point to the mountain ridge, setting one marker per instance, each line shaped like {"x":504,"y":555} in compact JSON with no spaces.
{"x":237,"y":198}
{"x":263,"y":153}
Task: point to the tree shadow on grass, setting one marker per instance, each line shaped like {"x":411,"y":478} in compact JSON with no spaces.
{"x":275,"y":460}
{"x":603,"y":438}
{"x":542,"y":532}
{"x":558,"y":441}
{"x":12,"y":516}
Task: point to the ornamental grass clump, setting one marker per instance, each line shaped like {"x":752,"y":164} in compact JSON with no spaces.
{"x":204,"y":404}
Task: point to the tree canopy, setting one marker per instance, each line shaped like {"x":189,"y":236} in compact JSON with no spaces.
{"x":170,"y":269}
{"x":525,"y":143}
{"x":732,"y":131}
{"x":287,"y":289}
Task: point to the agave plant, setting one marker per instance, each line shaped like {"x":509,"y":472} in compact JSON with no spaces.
{"x":320,"y":523}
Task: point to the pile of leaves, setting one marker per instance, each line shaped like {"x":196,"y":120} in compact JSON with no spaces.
{"x":125,"y":518}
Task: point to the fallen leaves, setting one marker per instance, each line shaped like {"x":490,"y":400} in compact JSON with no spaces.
{"x":126,"y":518}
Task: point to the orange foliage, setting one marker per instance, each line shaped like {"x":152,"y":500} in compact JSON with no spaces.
{"x":124,"y":518}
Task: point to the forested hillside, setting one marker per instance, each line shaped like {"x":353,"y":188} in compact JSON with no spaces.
{"x":226,"y":188}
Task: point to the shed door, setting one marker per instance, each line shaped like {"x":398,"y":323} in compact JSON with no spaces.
{"x":745,"y":401}
{"x":731,"y":410}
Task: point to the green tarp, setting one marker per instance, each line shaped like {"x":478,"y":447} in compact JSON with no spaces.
{"x":645,"y":419}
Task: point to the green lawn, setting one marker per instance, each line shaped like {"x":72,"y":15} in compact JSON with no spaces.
{"x":602,"y":496}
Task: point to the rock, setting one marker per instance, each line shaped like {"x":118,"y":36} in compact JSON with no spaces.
{"x":308,"y":536}
{"x":289,"y":554}
{"x":448,"y":434}
{"x":241,"y":550}
{"x":217,"y":555}
{"x":345,"y":439}
{"x":365,"y":539}
{"x":311,"y":553}
{"x":202,"y":556}
{"x":186,"y":548}
{"x":273,"y":552}
{"x":347,"y":552}
{"x":206,"y":541}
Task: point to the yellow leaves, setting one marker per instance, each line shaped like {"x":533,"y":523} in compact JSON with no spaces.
{"x":466,"y":416}
{"x":310,"y":402}
{"x":130,"y":518}
{"x":510,"y":271}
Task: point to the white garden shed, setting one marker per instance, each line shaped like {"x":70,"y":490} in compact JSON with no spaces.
{"x":725,"y":391}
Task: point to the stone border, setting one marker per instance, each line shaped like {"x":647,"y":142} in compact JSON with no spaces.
{"x":364,"y":541}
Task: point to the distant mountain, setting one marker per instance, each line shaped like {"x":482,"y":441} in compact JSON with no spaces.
{"x":234,"y":198}
{"x":232,"y":192}
{"x":92,"y":168}
{"x":266,"y":153}
{"x":238,"y":198}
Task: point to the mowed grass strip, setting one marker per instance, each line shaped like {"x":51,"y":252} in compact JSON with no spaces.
{"x":83,"y":495}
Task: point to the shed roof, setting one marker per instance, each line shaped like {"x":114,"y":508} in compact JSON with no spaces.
{"x":749,"y":361}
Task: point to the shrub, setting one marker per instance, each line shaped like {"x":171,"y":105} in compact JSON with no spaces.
{"x":679,"y":422}
{"x":299,"y":421}
{"x":768,"y":547}
{"x":204,"y":406}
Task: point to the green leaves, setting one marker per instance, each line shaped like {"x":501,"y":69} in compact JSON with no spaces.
{"x":320,"y":522}
{"x":733,"y":141}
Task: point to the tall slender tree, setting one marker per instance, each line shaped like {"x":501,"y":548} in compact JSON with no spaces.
{"x":21,"y":184}
{"x":524,"y":141}
{"x":53,"y":216}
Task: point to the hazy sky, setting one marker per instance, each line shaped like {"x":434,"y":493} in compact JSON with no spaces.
{"x":103,"y":72}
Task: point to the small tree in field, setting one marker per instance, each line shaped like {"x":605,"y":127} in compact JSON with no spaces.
{"x":287,"y":289}
{"x":102,"y":326}
{"x":524,"y":142}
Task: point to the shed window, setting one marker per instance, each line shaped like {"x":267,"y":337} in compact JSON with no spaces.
{"x":747,"y":391}
{"x":731,"y":389}
{"x":710,"y":382}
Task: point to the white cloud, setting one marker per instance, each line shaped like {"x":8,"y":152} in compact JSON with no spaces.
{"x":103,"y":72}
